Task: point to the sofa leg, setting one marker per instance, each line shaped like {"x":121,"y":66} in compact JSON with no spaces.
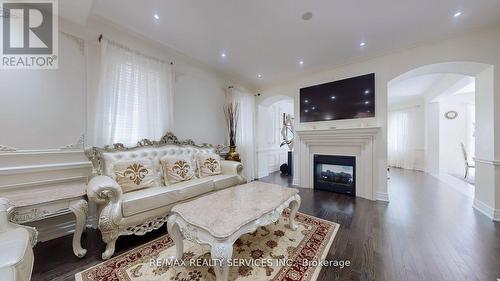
{"x":110,"y":249}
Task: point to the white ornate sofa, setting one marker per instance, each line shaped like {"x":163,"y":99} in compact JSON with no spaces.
{"x":16,"y":242}
{"x":141,"y":211}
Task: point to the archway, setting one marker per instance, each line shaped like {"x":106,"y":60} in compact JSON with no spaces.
{"x":483,"y":75}
{"x":269,"y":122}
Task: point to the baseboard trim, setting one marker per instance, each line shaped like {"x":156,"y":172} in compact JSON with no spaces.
{"x":262,"y":174}
{"x":382,"y":196}
{"x":486,"y":210}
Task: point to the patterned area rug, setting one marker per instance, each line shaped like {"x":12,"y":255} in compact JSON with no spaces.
{"x":273,"y":252}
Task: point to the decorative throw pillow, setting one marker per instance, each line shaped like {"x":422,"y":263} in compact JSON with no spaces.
{"x":134,"y":174}
{"x":177,"y":169}
{"x":208,"y":165}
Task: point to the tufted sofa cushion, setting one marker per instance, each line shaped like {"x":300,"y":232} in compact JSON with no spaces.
{"x":153,"y":153}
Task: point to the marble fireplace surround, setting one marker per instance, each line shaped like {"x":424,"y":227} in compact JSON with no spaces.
{"x":357,"y":142}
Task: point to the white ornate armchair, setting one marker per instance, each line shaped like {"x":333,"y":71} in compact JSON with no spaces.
{"x":16,"y":242}
{"x":141,"y":211}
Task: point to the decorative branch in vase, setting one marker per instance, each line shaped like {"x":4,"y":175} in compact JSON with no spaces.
{"x":231,"y":112}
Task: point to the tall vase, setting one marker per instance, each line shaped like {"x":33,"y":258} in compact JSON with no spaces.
{"x":233,"y":155}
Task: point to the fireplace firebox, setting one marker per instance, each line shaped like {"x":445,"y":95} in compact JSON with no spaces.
{"x":335,"y":173}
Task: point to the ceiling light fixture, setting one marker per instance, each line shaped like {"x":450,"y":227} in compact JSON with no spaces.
{"x":259,"y":75}
{"x":457,"y":14}
{"x":362,"y":44}
{"x":156,"y":16}
{"x":367,"y":92}
{"x":306,"y":101}
{"x":333,"y":97}
{"x":301,"y":62}
{"x":223,"y":55}
{"x":367,"y":102}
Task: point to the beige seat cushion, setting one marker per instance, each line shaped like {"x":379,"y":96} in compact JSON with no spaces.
{"x":208,"y":165}
{"x":177,"y":169}
{"x":159,"y":196}
{"x":135,"y":174}
{"x":224,"y":181}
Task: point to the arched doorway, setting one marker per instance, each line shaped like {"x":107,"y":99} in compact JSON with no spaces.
{"x":269,"y":123}
{"x":440,"y":120}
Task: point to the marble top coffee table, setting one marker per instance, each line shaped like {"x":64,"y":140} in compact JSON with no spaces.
{"x":218,"y":219}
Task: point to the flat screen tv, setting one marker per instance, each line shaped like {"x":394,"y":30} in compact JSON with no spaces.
{"x":344,"y":99}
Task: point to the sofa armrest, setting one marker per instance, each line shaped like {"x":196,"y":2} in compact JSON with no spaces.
{"x":107,"y":193}
{"x":103,"y":189}
{"x":233,"y":168}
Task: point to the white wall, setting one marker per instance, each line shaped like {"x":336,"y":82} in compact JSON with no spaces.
{"x":452,"y":132}
{"x":44,"y":113}
{"x":432,"y":114}
{"x":478,"y":46}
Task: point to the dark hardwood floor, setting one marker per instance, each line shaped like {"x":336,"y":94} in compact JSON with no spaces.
{"x":428,"y":231}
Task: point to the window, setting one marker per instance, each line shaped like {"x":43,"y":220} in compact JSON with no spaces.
{"x":135,"y":97}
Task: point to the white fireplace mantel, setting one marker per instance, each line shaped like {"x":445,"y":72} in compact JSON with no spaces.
{"x":357,"y":142}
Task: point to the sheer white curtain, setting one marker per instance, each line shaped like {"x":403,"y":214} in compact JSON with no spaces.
{"x":245,"y":134}
{"x":135,"y":99}
{"x":401,"y":138}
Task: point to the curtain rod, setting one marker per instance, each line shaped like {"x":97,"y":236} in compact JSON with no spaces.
{"x":125,"y":47}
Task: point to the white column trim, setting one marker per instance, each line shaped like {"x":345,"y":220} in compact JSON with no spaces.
{"x":488,"y":211}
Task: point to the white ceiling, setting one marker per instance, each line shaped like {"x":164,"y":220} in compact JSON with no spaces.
{"x":269,"y":37}
{"x":412,"y":88}
{"x":76,"y":11}
{"x":434,"y":87}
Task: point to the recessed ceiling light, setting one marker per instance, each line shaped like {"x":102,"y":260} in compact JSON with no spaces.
{"x":301,"y":62}
{"x":307,"y":16}
{"x":457,"y":14}
{"x":156,"y":16}
{"x":367,"y":102}
{"x":306,"y":101}
{"x":333,"y":97}
{"x":223,"y":55}
{"x":306,"y":111}
{"x":362,"y":44}
{"x":313,"y":108}
{"x":367,"y":92}
{"x":259,"y":75}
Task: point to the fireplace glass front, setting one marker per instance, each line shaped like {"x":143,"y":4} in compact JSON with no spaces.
{"x":335,"y":173}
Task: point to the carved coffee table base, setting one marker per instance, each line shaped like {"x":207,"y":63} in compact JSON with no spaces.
{"x":222,"y":248}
